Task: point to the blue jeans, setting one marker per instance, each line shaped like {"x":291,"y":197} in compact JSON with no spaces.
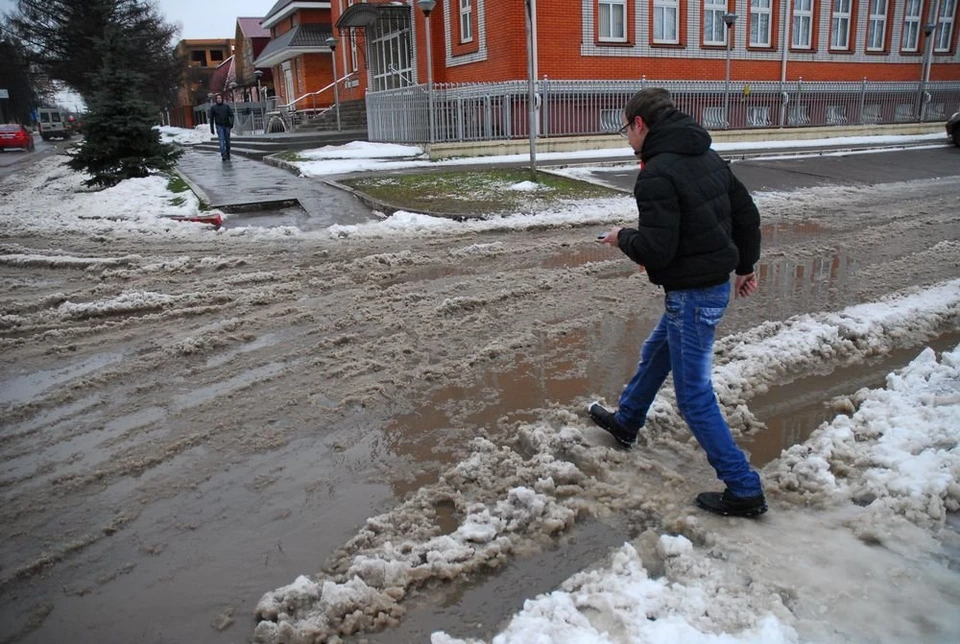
{"x":223,"y":135}
{"x":682,"y":342}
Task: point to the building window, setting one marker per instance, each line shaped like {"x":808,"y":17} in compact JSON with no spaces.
{"x":840,"y":25}
{"x":911,"y":25}
{"x":466,"y":20}
{"x":802,"y":24}
{"x":948,"y":13}
{"x":666,"y":21}
{"x":877,"y":27}
{"x":714,"y":31}
{"x":216,"y":55}
{"x":613,"y":20}
{"x":199,"y":57}
{"x":760,"y":12}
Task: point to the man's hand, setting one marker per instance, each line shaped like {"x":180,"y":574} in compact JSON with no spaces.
{"x":746,"y":285}
{"x":610,"y":239}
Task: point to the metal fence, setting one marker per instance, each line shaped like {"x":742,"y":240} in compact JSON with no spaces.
{"x":498,"y":111}
{"x":248,"y":118}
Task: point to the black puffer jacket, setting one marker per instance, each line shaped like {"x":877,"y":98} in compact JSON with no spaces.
{"x":697,"y":221}
{"x":221,"y":114}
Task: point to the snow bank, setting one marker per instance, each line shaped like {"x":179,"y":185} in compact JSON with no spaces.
{"x":185,"y":136}
{"x":897,"y":454}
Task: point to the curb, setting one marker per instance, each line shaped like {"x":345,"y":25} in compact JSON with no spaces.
{"x":547,"y":145}
{"x":197,"y":190}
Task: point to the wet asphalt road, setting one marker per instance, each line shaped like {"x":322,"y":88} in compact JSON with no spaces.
{"x":864,"y":168}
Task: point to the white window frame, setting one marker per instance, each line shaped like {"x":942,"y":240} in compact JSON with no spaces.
{"x":945,"y":22}
{"x":761,"y":16}
{"x":802,"y":24}
{"x":666,"y":15}
{"x":877,"y":25}
{"x":354,"y":62}
{"x":713,"y":11}
{"x":840,"y":24}
{"x":608,"y":24}
{"x":911,"y":26}
{"x":466,"y":21}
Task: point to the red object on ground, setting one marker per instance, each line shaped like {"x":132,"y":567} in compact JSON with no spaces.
{"x":216,"y":220}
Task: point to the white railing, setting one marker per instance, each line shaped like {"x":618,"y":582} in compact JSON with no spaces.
{"x":289,"y":115}
{"x":498,"y":111}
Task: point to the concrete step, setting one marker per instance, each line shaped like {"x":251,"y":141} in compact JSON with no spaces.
{"x":235,"y":150}
{"x":257,"y":147}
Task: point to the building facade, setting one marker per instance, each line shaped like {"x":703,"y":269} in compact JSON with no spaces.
{"x":203,"y":57}
{"x":298,"y":53}
{"x":769,"y":40}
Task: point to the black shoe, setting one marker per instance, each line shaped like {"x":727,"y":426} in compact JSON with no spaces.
{"x":605,"y":419}
{"x":729,"y":505}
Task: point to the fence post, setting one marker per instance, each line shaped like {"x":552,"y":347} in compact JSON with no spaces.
{"x":799,"y":106}
{"x":925,"y":99}
{"x":863,"y":100}
{"x":545,"y":106}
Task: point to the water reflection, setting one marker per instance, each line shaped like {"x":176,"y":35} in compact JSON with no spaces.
{"x":793,"y":411}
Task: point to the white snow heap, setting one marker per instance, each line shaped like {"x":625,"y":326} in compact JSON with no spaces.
{"x":900,"y":450}
{"x":621,"y":603}
{"x":399,"y":551}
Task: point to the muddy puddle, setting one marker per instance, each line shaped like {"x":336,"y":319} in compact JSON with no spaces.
{"x":275,"y":217}
{"x":793,"y":411}
{"x":480,"y":607}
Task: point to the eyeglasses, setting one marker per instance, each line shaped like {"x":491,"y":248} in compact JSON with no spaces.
{"x":623,"y":130}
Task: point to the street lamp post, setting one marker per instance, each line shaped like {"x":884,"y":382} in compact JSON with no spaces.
{"x":928,"y":31}
{"x":728,"y":19}
{"x":258,"y":74}
{"x":332,"y":44}
{"x":233,"y":91}
{"x":531,"y":86}
{"x":427,"y":6}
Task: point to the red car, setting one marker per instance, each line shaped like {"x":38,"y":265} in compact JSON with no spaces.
{"x":15,"y":136}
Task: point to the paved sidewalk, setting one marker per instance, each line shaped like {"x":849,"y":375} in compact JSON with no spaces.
{"x":253,"y":187}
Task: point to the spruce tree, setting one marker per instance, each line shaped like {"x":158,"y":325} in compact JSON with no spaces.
{"x":120,"y":141}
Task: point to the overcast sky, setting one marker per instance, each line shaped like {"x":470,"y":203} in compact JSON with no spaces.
{"x":200,"y":18}
{"x":212,"y":19}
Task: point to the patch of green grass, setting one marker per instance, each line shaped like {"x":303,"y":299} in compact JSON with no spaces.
{"x":175,"y":184}
{"x":477,"y":192}
{"x":289,"y":156}
{"x":178,"y":201}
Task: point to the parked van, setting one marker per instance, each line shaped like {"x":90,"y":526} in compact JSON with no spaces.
{"x":53,"y":124}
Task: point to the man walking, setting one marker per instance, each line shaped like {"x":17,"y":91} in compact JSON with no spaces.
{"x":221,"y":122}
{"x":697,"y":224}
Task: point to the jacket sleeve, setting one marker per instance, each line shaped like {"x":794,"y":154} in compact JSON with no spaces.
{"x":230,"y":117}
{"x":745,"y":223}
{"x":654,"y":242}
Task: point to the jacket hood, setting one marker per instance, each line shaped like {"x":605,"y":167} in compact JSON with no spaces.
{"x":677,"y":133}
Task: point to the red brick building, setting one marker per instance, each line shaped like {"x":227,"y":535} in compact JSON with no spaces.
{"x":772,"y":40}
{"x":297,"y":54}
{"x":382,"y":46}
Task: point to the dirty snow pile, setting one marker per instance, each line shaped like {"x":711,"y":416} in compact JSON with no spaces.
{"x":715,"y":580}
{"x":51,"y":198}
{"x":185,"y":136}
{"x":897,"y":454}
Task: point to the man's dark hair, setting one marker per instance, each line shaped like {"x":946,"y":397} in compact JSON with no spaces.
{"x":649,"y":104}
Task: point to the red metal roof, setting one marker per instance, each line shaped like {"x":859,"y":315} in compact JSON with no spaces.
{"x":250,"y":27}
